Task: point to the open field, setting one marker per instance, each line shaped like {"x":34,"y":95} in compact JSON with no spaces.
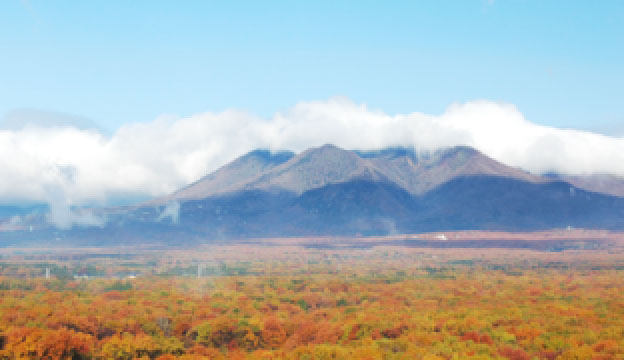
{"x":552,"y":240}
{"x":286,"y":299}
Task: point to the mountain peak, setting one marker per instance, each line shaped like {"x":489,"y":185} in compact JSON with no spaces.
{"x":325,"y":150}
{"x":419,"y":172}
{"x":328,"y":146}
{"x":231,"y":177}
{"x":316,"y":167}
{"x":269,"y":156}
{"x":463,"y":150}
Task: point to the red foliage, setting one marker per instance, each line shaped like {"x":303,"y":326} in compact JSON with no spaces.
{"x":354,"y":331}
{"x":514,"y":354}
{"x":477,"y":338}
{"x":548,"y":355}
{"x":394,"y":333}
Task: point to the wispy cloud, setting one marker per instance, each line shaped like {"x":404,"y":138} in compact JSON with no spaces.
{"x":171,"y":212}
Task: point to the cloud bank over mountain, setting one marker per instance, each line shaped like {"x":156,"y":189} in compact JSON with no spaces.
{"x":158,"y":157}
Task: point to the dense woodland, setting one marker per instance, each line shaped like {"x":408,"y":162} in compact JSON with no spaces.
{"x":294,"y":303}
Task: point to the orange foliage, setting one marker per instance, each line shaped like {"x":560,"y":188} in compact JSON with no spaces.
{"x":329,"y":304}
{"x":273,"y":334}
{"x":35,"y":343}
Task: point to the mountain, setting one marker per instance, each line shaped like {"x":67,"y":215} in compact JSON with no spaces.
{"x":328,"y":164}
{"x":601,"y":183}
{"x":7,"y":211}
{"x":331,"y":191}
{"x":231,"y":177}
{"x":420,"y":173}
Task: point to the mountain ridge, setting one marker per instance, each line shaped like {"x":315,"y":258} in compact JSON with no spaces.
{"x":329,"y":164}
{"x":329,"y":191}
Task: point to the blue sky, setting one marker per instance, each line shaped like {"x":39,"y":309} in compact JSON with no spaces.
{"x":115,"y":62}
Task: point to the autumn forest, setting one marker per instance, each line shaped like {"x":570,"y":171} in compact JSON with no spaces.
{"x":295,"y":302}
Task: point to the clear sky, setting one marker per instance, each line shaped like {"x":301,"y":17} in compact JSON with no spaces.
{"x":115,"y":62}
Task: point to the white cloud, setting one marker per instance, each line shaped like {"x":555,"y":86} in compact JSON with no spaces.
{"x":171,"y":212}
{"x":61,"y":213}
{"x":155,"y":158}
